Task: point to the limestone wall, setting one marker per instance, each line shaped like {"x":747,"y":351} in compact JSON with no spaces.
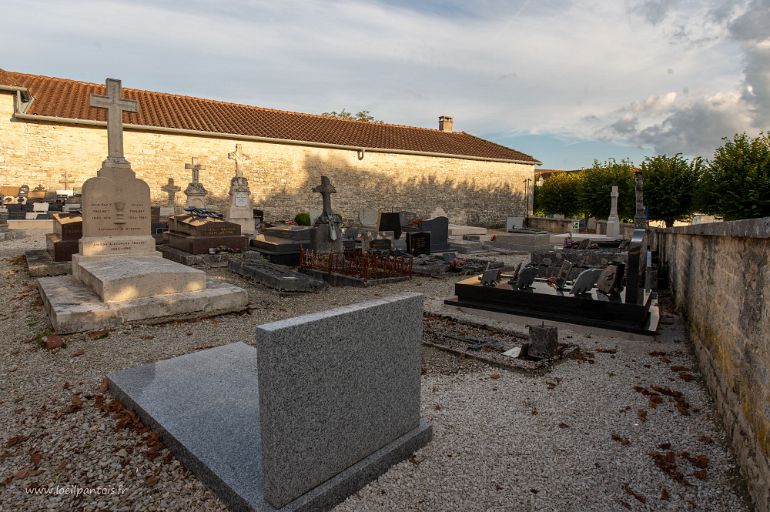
{"x":720,"y":278}
{"x":281,"y":176}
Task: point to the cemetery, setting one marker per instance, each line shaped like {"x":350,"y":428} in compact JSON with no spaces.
{"x":213,"y":356}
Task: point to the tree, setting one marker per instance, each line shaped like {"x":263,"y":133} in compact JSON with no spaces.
{"x":363,"y":115}
{"x":736,"y":184}
{"x":670,"y":186}
{"x":597,"y":183}
{"x":559,"y":194}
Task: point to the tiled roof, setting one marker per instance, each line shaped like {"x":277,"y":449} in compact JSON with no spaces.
{"x":62,"y":98}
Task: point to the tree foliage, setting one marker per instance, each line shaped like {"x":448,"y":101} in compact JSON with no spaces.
{"x":363,"y":115}
{"x":670,"y":187}
{"x":596,"y":186}
{"x":736,"y":183}
{"x":559,"y":194}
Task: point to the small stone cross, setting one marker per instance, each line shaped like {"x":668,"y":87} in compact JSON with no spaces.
{"x":65,"y":180}
{"x":196,"y":169}
{"x":115,"y":107}
{"x":171,"y":190}
{"x":239,"y":158}
{"x":326,"y":189}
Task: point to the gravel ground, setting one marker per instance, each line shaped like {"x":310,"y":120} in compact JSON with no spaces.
{"x":502,"y":440}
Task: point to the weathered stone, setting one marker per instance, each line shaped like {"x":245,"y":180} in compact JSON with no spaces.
{"x":274,"y":276}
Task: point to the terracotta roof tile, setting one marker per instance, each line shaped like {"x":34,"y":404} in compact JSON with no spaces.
{"x":58,"y":97}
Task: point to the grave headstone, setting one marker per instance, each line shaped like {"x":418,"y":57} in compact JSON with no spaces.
{"x":64,"y":242}
{"x":438,"y":228}
{"x":380,"y":244}
{"x":239,"y":210}
{"x":543,"y":341}
{"x":391,"y":221}
{"x":513,"y":223}
{"x":613,"y":222}
{"x":171,"y":189}
{"x":610,"y":280}
{"x":406,"y":219}
{"x":640,"y":217}
{"x":368,"y":217}
{"x":585,"y":281}
{"x":195,"y":191}
{"x":326,"y":235}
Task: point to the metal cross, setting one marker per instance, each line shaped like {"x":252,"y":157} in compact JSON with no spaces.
{"x":115,"y":107}
{"x":196,"y":168}
{"x":239,"y":157}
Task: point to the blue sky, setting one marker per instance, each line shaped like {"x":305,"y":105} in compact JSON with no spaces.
{"x":565,"y":81}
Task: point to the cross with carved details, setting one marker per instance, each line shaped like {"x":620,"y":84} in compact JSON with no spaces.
{"x":171,"y":189}
{"x":239,"y":158}
{"x":115,"y":107}
{"x":196,"y":169}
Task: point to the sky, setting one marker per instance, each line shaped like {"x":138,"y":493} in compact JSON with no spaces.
{"x":568,"y":82}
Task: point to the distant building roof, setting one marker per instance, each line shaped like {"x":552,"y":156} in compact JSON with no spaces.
{"x":68,"y":100}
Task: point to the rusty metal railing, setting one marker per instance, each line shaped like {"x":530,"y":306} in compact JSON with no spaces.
{"x":358,"y":264}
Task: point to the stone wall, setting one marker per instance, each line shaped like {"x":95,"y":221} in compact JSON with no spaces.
{"x":557,"y":226}
{"x":281,"y":176}
{"x":720,"y":278}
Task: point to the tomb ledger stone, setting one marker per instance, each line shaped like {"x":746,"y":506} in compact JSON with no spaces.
{"x":196,"y":235}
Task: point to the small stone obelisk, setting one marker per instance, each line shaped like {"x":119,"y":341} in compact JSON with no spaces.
{"x":240,"y":210}
{"x":613,"y":222}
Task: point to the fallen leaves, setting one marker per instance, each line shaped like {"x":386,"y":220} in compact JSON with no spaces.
{"x":494,"y":375}
{"x":687,"y":377}
{"x":706,"y":439}
{"x":582,"y":356}
{"x":16,"y":440}
{"x":664,"y":494}
{"x":99,"y":334}
{"x":606,"y":350}
{"x":35,"y":456}
{"x":620,"y":439}
{"x":642,"y":414}
{"x":667,"y":462}
{"x":639,"y":497}
{"x":563,"y":425}
{"x":151,"y":480}
{"x":78,"y":353}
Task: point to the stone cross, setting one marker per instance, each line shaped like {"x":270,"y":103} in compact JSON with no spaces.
{"x":196,"y":168}
{"x":171,"y":190}
{"x":326,"y":189}
{"x":239,"y":158}
{"x":640,"y":219}
{"x":65,"y":180}
{"x":115,"y":107}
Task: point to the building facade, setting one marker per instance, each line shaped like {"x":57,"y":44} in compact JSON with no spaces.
{"x":47,"y":129}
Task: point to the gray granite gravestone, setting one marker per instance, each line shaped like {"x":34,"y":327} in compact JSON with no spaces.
{"x":326,"y":403}
{"x":439,"y":233}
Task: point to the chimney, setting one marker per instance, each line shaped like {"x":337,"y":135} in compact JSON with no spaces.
{"x":445,"y":123}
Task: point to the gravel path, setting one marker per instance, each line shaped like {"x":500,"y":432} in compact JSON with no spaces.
{"x":503,"y":440}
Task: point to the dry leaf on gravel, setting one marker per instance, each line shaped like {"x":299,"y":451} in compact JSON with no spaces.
{"x":16,"y":440}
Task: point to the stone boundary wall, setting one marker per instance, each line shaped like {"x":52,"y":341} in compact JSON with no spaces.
{"x":281,"y":176}
{"x":720,"y":279}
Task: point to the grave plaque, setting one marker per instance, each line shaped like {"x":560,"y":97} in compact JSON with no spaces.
{"x":380,"y":244}
{"x":418,"y":243}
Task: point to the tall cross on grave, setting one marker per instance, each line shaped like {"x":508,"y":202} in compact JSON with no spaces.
{"x":115,"y":107}
{"x":196,"y":169}
{"x":239,"y":157}
{"x":65,"y":180}
{"x":171,"y":189}
{"x":326,"y":189}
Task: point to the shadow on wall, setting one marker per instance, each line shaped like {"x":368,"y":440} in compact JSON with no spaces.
{"x":465,"y":202}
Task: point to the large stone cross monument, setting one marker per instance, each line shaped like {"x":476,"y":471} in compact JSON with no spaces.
{"x":640,"y":218}
{"x":115,"y":204}
{"x":118,"y":276}
{"x":195,"y":191}
{"x":240,"y":210}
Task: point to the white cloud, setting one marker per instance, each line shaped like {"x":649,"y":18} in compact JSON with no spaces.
{"x":584,"y":69}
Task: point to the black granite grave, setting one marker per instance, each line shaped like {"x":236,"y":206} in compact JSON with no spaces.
{"x":418,"y":243}
{"x":633,"y":309}
{"x":438,"y":228}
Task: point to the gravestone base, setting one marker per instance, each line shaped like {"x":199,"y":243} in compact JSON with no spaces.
{"x":202,"y":244}
{"x":40,"y":264}
{"x":74,"y":307}
{"x":61,"y":250}
{"x":197,"y":260}
{"x":274,"y":276}
{"x":335,"y":279}
{"x":11,"y":234}
{"x":186,"y":398}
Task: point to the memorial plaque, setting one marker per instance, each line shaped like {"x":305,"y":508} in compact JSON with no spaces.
{"x":380,"y":244}
{"x":418,"y":243}
{"x":68,"y":226}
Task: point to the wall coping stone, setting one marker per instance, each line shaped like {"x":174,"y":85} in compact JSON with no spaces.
{"x":745,"y":228}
